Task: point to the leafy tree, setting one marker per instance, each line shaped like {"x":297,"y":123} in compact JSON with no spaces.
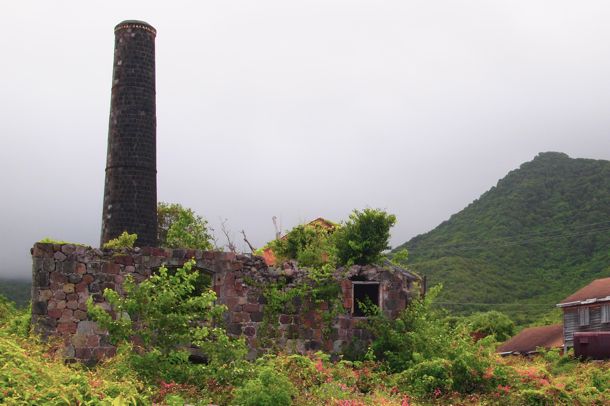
{"x":180,"y":227}
{"x":363,"y":238}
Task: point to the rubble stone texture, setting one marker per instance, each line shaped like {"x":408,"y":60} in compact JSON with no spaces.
{"x":63,"y":283}
{"x":130,"y":189}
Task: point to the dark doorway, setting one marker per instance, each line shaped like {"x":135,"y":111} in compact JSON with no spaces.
{"x":365,"y":293}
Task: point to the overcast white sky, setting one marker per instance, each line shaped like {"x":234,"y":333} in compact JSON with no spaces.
{"x":297,"y":109}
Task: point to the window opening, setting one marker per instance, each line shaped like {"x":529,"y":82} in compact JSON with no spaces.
{"x":606,"y":313}
{"x":583,"y":316}
{"x":364,"y":293}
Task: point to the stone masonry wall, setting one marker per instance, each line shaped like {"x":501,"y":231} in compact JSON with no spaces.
{"x":65,"y":276}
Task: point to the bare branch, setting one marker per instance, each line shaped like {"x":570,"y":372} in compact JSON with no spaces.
{"x":248,"y":242}
{"x":228,"y":235}
{"x":278,"y":229}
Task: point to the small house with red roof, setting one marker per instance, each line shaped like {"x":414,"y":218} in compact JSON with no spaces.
{"x":586,"y":319}
{"x":586,"y":326}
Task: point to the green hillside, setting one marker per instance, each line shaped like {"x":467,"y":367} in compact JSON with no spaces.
{"x":17,"y":290}
{"x":541,"y":233}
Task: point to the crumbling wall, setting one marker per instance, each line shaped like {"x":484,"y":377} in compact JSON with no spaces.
{"x":65,"y":276}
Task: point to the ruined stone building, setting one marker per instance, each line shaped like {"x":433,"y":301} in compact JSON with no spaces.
{"x":66,"y":275}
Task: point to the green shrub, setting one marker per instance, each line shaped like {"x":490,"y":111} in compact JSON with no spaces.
{"x":363,"y":238}
{"x":310,"y":245}
{"x":171,"y":316}
{"x":493,"y":323}
{"x":427,"y":378}
{"x":125,"y":240}
{"x":269,"y":388}
{"x":535,"y":397}
{"x":13,"y":320}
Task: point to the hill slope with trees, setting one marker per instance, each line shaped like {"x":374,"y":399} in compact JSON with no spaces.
{"x":540,"y":234}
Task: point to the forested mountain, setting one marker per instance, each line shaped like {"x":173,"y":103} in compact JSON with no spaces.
{"x":540,"y":234}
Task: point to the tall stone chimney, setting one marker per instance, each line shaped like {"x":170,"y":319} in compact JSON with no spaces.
{"x":130,"y":189}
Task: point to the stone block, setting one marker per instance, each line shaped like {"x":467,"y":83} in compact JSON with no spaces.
{"x":256,"y":316}
{"x":80,"y":314}
{"x":234,"y":329}
{"x":66,"y":267}
{"x":88,"y":327}
{"x":68,"y":288}
{"x":59,"y":295}
{"x":41,"y":279}
{"x":80,"y":287}
{"x":93,"y":340}
{"x":72,"y":304}
{"x":54,"y":313}
{"x":45,"y":294}
{"x":250,"y":307}
{"x":80,"y":269}
{"x":240,"y":317}
{"x":60,"y":256}
{"x":66,"y":316}
{"x":250,"y":331}
{"x":110,"y":268}
{"x":68,"y":249}
{"x":83,"y":353}
{"x":74,"y":278}
{"x":39,"y":307}
{"x":57,"y":277}
{"x":66,"y":327}
{"x":79,"y":340}
{"x":285,"y":319}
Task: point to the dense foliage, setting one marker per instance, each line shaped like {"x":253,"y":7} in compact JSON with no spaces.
{"x":165,"y":314}
{"x":360,"y":240}
{"x":418,"y":359}
{"x":363,"y":237}
{"x":180,"y":227}
{"x":536,"y":237}
{"x":311,"y":245}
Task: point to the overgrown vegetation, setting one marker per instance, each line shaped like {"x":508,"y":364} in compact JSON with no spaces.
{"x":312,"y":245}
{"x":360,"y":240}
{"x":125,"y":240}
{"x":535,"y":238}
{"x":363,"y":237}
{"x":180,"y":227}
{"x":417,"y":359}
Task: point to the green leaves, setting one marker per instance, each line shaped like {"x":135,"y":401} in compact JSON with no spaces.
{"x":180,"y":227}
{"x":363,"y":238}
{"x":162,"y":311}
{"x":125,"y":240}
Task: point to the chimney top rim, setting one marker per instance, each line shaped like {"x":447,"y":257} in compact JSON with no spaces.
{"x":135,"y":24}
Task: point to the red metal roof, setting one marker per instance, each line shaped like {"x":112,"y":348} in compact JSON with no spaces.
{"x":599,"y":288}
{"x":531,"y":338}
